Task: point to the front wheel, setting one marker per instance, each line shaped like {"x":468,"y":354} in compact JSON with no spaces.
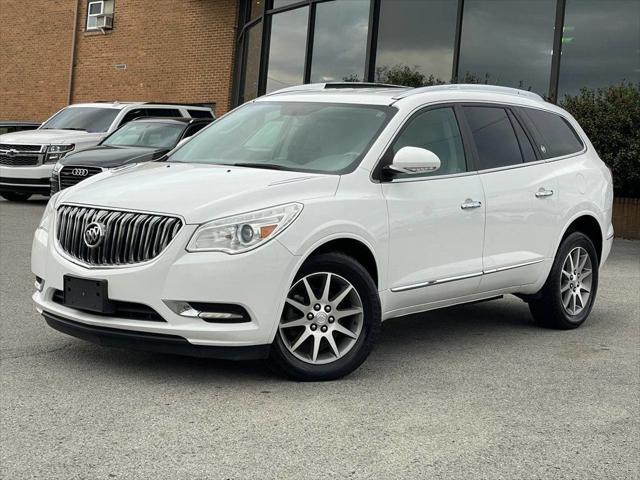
{"x":330,"y":321}
{"x":15,"y":196}
{"x":568,"y":295}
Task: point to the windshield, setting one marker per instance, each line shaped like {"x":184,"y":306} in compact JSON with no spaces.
{"x":145,"y":134}
{"x":88,"y":119}
{"x":300,"y":136}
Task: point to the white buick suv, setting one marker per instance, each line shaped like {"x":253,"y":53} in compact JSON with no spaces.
{"x":293,"y":226}
{"x":27,"y":158}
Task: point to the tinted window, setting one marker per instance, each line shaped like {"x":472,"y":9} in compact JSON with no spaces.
{"x":163,"y":112}
{"x":193,"y":129}
{"x":600,"y":44}
{"x":145,"y":134}
{"x":508,"y":42}
{"x":90,"y":119}
{"x":300,"y":136}
{"x":494,"y":137}
{"x":287,"y":49}
{"x":200,"y":114}
{"x":528,"y":152}
{"x":435,"y":130}
{"x":132,"y":115}
{"x":340,"y":41}
{"x":557,"y":137}
{"x":415,"y":41}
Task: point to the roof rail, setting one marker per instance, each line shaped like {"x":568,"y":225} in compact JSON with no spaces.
{"x":472,"y":87}
{"x":205,"y":105}
{"x":314,"y":87}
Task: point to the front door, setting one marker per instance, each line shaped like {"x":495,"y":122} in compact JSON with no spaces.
{"x":436,"y":220}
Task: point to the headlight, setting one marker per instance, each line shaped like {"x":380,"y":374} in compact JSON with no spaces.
{"x":56,"y":152}
{"x":245,"y":232}
{"x":48,"y":213}
{"x":57,"y":167}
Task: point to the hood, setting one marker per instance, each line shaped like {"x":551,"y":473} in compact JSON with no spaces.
{"x":198,"y":193}
{"x":47,"y":136}
{"x":111,"y":157}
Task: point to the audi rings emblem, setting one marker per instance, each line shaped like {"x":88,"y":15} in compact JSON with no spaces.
{"x":79,"y":172}
{"x":94,"y":234}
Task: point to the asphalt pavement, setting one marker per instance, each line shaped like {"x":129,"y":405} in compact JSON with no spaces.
{"x":475,"y":391}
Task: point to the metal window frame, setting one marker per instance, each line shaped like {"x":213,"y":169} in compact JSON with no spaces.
{"x":245,"y":23}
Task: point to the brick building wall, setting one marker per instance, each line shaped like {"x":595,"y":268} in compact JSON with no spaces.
{"x":174,"y":51}
{"x":35,"y":46}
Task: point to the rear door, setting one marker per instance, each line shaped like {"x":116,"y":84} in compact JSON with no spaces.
{"x":521,"y":200}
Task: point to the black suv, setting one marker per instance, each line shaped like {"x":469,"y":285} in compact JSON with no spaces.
{"x":137,"y":141}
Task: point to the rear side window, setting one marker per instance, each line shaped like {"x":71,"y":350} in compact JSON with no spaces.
{"x":163,"y":112}
{"x":555,"y":134}
{"x":200,"y":114}
{"x":436,"y":130}
{"x":494,"y":137}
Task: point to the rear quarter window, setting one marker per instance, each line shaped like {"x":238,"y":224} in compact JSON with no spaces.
{"x":200,"y":114}
{"x":556,"y":137}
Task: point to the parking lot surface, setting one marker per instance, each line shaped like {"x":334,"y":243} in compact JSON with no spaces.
{"x":475,"y":391}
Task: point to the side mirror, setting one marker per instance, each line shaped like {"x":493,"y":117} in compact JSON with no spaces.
{"x":414,"y":160}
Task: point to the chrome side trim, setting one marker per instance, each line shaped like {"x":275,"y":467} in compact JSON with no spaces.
{"x":463,"y":277}
{"x":511,"y":267}
{"x":611,"y":236}
{"x":435,"y":282}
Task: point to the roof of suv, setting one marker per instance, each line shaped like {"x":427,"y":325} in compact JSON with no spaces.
{"x":179,"y":120}
{"x":381,"y":94}
{"x":123,"y":105}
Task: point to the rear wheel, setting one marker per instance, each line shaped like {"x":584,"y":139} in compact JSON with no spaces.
{"x":15,"y":196}
{"x":568,"y":295}
{"x":330,"y":321}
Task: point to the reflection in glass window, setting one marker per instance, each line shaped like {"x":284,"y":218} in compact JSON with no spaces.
{"x":600,"y":44}
{"x":508,"y":43}
{"x":284,"y":3}
{"x":340,"y":43}
{"x":415,"y":41}
{"x":251,"y":69}
{"x":287,"y":49}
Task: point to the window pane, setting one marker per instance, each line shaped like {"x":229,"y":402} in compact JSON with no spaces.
{"x":284,"y":3}
{"x":251,"y":69}
{"x":415,"y":41}
{"x":528,"y":152}
{"x":508,"y":43}
{"x":494,"y":137}
{"x":163,"y":112}
{"x":600,"y":44}
{"x":340,"y":43}
{"x":92,"y":22}
{"x":200,"y":114}
{"x":558,"y":137}
{"x":287,"y":49}
{"x":91,"y":119}
{"x":435,"y":130}
{"x":95,"y":8}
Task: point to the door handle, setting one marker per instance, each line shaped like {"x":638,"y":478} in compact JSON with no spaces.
{"x":469,"y":204}
{"x":543,"y":192}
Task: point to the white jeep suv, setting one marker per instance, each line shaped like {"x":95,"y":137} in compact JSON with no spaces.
{"x":27,"y":158}
{"x":291,"y":227}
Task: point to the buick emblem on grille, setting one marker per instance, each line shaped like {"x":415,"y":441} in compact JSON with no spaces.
{"x":94,"y":234}
{"x":80,"y":172}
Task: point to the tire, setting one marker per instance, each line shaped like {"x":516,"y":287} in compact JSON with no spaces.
{"x":293,"y":349}
{"x":549,"y":308}
{"x":15,"y":196}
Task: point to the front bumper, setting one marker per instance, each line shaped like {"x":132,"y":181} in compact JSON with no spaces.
{"x":257,"y":280}
{"x":26,"y":179}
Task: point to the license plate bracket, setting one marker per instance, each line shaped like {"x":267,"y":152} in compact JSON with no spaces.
{"x":87,"y":294}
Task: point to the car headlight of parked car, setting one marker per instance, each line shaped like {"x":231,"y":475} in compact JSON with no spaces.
{"x":48,"y":213}
{"x":244,"y":232}
{"x":56,"y":152}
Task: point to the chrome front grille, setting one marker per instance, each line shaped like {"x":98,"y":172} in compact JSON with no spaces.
{"x":21,"y":155}
{"x":126,"y":237}
{"x":70,"y":175}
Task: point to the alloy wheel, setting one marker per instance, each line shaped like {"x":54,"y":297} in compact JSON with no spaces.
{"x":575,"y":281}
{"x":322,"y":319}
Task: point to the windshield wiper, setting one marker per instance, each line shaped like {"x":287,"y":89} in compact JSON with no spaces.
{"x":267,"y":166}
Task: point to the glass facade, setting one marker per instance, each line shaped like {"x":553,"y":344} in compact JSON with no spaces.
{"x":551,"y":47}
